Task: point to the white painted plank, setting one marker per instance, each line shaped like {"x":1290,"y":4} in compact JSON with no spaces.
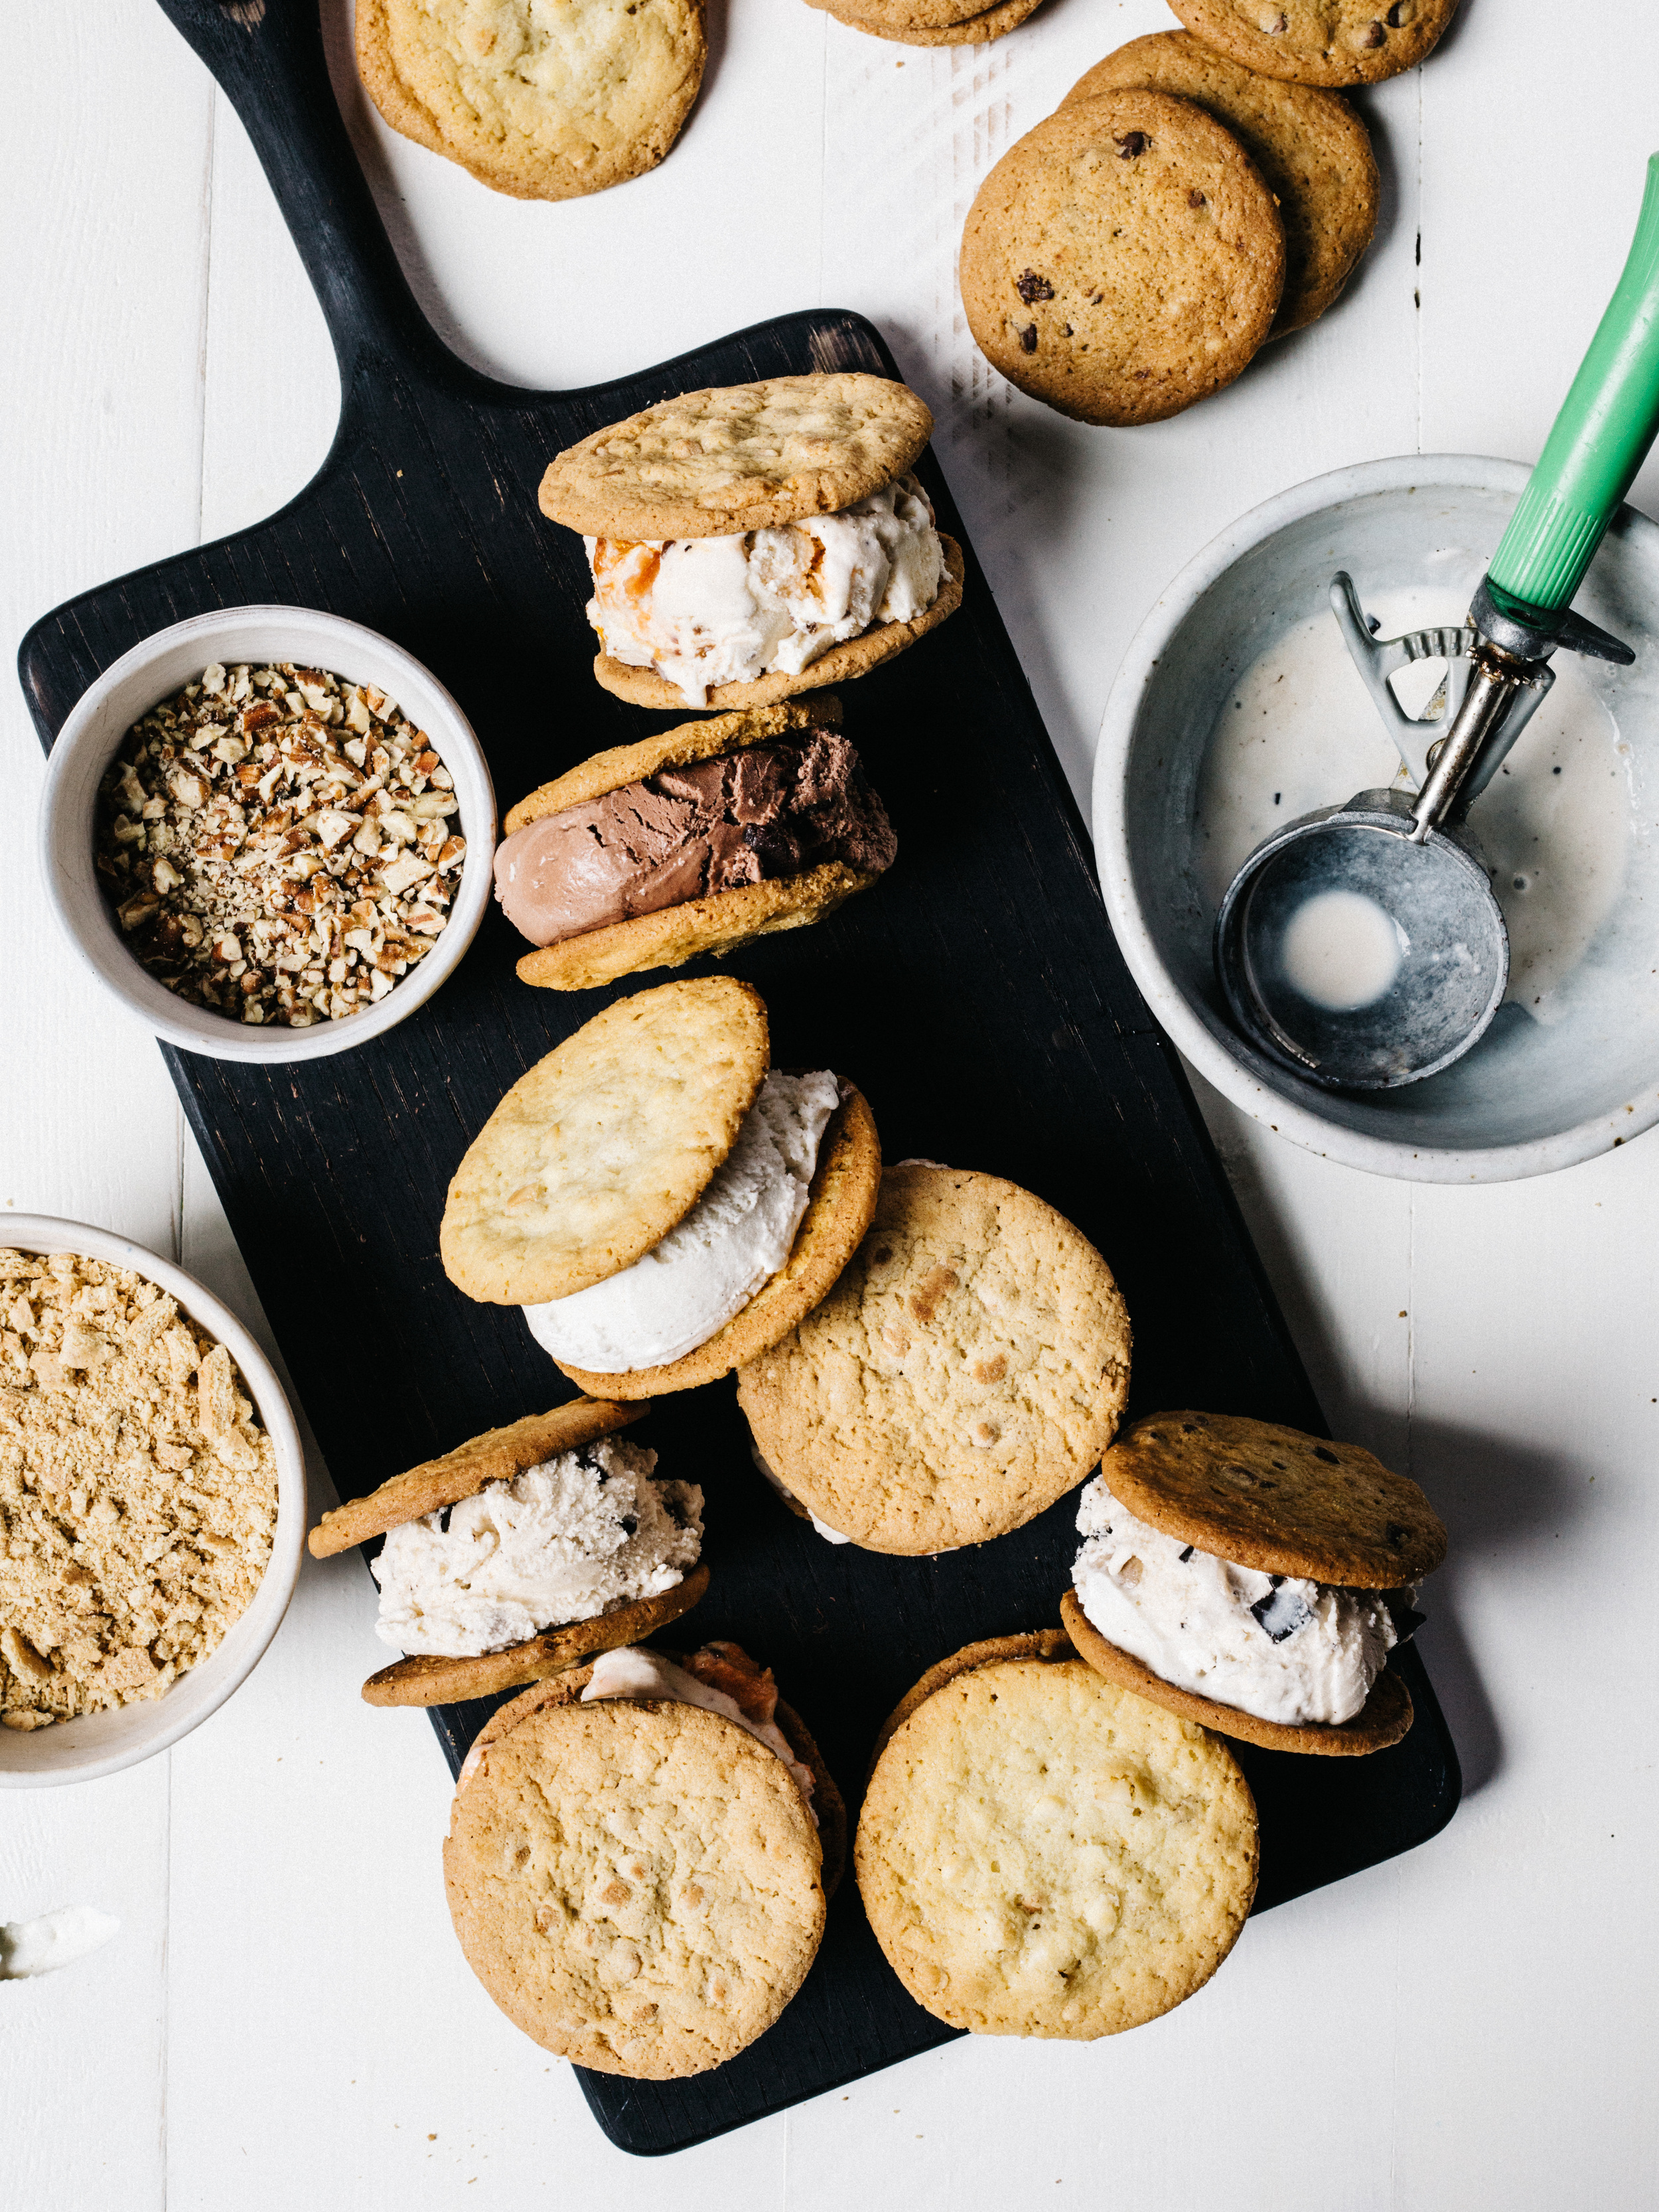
{"x":83,"y":2050}
{"x":721,"y":233}
{"x":1079,"y":527}
{"x":99,"y":360}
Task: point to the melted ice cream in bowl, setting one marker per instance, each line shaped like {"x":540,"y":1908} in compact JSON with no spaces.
{"x":1237,"y":710}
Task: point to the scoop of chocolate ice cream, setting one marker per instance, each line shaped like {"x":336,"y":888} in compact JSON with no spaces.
{"x":745,"y":817}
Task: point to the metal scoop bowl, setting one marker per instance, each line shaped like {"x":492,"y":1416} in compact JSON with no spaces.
{"x":1424,"y":963}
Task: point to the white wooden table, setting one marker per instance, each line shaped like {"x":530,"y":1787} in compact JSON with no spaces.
{"x":285,"y":2019}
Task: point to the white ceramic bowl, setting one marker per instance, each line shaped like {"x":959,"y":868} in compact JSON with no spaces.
{"x":1536,"y":1093}
{"x":100,"y":1743}
{"x":149,"y":673}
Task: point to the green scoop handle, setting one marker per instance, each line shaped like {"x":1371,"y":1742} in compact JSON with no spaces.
{"x":1601,"y":439}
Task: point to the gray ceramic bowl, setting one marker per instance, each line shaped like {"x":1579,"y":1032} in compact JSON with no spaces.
{"x":149,"y":673}
{"x":1238,"y":682}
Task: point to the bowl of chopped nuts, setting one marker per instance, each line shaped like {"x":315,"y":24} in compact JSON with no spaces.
{"x":269,"y":832}
{"x":154,"y":1494}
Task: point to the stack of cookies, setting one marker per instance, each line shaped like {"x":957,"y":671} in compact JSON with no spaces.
{"x":1196,"y":193}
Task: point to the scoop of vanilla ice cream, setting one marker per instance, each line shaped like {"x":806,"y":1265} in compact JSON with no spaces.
{"x":634,"y":1672}
{"x":561,"y":1542}
{"x":1285,"y":1650}
{"x":710,"y":1264}
{"x":708,"y":610}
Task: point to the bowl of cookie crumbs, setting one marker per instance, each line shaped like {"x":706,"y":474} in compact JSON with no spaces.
{"x":152,"y":1503}
{"x":269,"y":832}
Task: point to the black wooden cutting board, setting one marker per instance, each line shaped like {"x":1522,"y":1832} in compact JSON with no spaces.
{"x":976,"y":997}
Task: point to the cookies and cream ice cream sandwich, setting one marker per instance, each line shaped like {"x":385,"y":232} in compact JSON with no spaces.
{"x":522,"y":1552}
{"x":662,"y":1203}
{"x":639,"y":1857}
{"x":1253,"y":1579}
{"x":756,"y":540}
{"x":692,"y":842}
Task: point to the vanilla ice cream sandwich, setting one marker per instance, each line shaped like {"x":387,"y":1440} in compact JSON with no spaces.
{"x":756,"y":540}
{"x":1253,"y":1579}
{"x":521,"y":1552}
{"x":662,"y":1203}
{"x":692,"y":842}
{"x":639,"y":1859}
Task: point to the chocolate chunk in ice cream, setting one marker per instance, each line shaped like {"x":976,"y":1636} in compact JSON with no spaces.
{"x":745,"y":817}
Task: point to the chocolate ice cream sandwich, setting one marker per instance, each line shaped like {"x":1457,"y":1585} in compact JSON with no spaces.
{"x":1253,"y":1579}
{"x":692,"y":842}
{"x":756,"y":540}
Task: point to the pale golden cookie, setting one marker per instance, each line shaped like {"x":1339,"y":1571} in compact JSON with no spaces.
{"x":544,"y":103}
{"x":829,"y":1806}
{"x":695,"y":927}
{"x":1272,"y":1498}
{"x":434,"y":1679}
{"x":1123,"y":260}
{"x":1329,"y":42}
{"x":636,"y":1884}
{"x":594,"y":1155}
{"x":977,"y":29}
{"x":845,"y":1184}
{"x":496,"y":1456}
{"x":1385,"y":1716}
{"x":1311,"y":149}
{"x":968,"y":1369}
{"x":739,"y":457}
{"x":644,"y":687}
{"x":1043,"y":1854}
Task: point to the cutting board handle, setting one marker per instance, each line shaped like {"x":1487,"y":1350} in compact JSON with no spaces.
{"x":268,"y":56}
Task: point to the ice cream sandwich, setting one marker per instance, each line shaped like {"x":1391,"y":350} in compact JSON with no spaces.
{"x":968,"y":1369}
{"x":662,"y":1203}
{"x":639,"y":1857}
{"x":1040,"y":1853}
{"x":692,"y":842}
{"x":756,"y":540}
{"x":521,"y":1552}
{"x":1253,"y":1579}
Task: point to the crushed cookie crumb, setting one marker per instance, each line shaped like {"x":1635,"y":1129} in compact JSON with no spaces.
{"x":138,"y":1490}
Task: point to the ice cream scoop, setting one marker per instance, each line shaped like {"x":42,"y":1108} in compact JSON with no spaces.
{"x":1410,"y":854}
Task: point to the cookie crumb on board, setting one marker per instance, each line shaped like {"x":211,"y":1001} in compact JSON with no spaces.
{"x":137,"y":1489}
